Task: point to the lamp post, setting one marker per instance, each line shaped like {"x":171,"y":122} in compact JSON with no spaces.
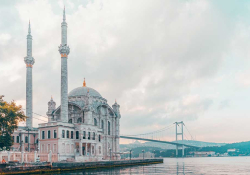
{"x":143,"y":154}
{"x":130,"y":153}
{"x":154,"y":153}
{"x":29,"y":139}
{"x":110,"y":153}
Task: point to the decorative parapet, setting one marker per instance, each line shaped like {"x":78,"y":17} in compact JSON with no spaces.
{"x":29,"y":61}
{"x":64,"y":50}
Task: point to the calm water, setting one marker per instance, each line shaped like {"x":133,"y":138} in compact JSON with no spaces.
{"x":208,"y":165}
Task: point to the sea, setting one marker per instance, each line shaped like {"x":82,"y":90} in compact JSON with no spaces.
{"x":179,"y":166}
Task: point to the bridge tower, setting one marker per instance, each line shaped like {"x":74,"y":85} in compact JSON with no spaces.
{"x":177,"y":134}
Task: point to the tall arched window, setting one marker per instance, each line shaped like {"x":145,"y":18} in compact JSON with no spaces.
{"x":26,"y":139}
{"x":102,"y":124}
{"x":84,"y":135}
{"x":108,"y":128}
{"x":77,"y":134}
{"x":83,"y":117}
{"x":63,"y":133}
{"x":93,"y":135}
{"x":79,"y":120}
{"x":67,"y":133}
{"x":95,"y":122}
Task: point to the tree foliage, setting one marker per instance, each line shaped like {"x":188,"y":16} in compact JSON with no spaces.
{"x":10,"y":115}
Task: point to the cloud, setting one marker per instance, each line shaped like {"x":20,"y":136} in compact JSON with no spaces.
{"x":149,"y":55}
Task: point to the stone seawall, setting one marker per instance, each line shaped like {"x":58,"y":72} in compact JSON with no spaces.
{"x":72,"y":166}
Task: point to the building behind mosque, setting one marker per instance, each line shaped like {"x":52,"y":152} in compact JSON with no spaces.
{"x":83,"y":128}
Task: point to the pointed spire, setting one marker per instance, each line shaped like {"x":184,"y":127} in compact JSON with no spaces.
{"x":29,"y":31}
{"x":64,"y":16}
{"x":51,"y":97}
{"x":84,"y":83}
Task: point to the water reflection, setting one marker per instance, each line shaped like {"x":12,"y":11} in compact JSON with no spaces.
{"x":180,"y":169}
{"x":173,"y":166}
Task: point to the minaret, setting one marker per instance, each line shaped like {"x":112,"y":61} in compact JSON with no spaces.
{"x":64,"y":51}
{"x":29,"y":61}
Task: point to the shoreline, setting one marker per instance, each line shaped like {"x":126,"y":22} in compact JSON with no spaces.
{"x":74,"y":166}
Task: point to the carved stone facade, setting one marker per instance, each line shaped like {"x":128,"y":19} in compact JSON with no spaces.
{"x":92,"y":129}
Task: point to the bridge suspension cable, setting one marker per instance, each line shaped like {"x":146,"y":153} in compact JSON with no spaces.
{"x":154,"y":132}
{"x":192,"y":138}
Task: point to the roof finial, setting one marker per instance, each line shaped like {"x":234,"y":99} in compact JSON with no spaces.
{"x":29,"y":31}
{"x":84,"y":83}
{"x":88,"y":90}
{"x":51,"y":97}
{"x":64,"y":16}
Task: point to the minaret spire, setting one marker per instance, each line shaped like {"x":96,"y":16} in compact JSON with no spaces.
{"x":29,"y":30}
{"x":64,"y":16}
{"x":29,"y":61}
{"x":64,"y":51}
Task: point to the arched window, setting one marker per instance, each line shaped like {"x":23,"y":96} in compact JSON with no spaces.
{"x":83,"y":117}
{"x":17,"y":139}
{"x":48,"y":134}
{"x":99,"y":138}
{"x":88,"y":135}
{"x":93,"y":136}
{"x":26,"y":139}
{"x":70,"y":120}
{"x":67,"y":133}
{"x":79,"y":120}
{"x":63,"y":133}
{"x":95,"y":122}
{"x":77,"y":134}
{"x":84,"y":135}
{"x":102,"y":124}
{"x":108,"y":128}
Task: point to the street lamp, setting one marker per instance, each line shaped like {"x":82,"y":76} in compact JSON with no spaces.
{"x":143,"y":154}
{"x":110,"y":153}
{"x":130,"y":153}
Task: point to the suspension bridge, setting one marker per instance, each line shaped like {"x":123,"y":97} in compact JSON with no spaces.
{"x":152,"y":137}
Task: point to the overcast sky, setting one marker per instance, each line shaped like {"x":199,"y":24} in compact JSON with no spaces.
{"x":163,"y":60}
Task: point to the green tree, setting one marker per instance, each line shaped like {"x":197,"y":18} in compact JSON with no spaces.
{"x":10,"y":115}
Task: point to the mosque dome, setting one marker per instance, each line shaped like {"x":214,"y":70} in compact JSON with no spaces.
{"x":82,"y":91}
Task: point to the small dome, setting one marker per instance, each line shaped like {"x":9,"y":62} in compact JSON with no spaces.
{"x":82,"y":91}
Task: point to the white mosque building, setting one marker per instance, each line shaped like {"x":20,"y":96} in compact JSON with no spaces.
{"x":83,"y":128}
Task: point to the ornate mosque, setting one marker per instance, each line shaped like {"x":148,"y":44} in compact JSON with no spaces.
{"x":83,"y":128}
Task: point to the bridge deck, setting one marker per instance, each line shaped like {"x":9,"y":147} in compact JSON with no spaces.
{"x":151,"y":140}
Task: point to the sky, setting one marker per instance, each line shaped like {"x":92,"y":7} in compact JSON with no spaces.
{"x":163,"y":61}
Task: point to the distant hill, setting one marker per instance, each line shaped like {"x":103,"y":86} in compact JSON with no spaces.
{"x":243,"y":147}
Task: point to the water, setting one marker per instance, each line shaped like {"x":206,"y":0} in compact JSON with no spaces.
{"x":180,"y":166}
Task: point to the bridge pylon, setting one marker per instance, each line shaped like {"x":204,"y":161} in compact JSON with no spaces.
{"x":177,"y":134}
